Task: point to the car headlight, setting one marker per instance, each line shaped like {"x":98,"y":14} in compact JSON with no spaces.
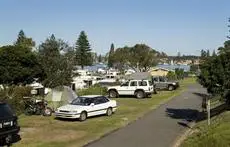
{"x":174,"y":83}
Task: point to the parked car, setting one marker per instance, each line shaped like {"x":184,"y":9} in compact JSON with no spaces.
{"x":87,"y":106}
{"x":8,"y":125}
{"x":161,"y":82}
{"x":138,"y":88}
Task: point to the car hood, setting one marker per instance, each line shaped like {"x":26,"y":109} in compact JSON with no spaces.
{"x":70,"y":107}
{"x":114,"y":87}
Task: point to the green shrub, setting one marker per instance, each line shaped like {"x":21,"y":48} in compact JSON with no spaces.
{"x":93,"y":90}
{"x":171,"y":75}
{"x":13,"y":95}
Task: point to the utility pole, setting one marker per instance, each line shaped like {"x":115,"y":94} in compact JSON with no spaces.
{"x":208,"y":110}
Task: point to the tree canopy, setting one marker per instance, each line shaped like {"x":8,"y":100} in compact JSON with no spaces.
{"x":18,"y":65}
{"x":140,"y":57}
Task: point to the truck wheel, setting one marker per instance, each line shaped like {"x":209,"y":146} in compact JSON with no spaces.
{"x":140,"y":94}
{"x":112,"y":94}
{"x":170,"y":88}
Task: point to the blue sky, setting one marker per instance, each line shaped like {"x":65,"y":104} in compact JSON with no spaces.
{"x":166,"y":25}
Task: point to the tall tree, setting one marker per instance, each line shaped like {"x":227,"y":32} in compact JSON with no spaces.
{"x":24,"y":41}
{"x":203,"y":53}
{"x":57,"y":67}
{"x":83,"y":51}
{"x":110,"y":57}
{"x":214,"y":53}
{"x":100,"y":58}
{"x":208,"y":53}
{"x":215,"y":72}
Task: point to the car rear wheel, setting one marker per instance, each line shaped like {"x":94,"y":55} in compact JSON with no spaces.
{"x":109,"y":112}
{"x":140,"y":94}
{"x":83,"y":116}
{"x":170,"y":88}
{"x":112,"y":94}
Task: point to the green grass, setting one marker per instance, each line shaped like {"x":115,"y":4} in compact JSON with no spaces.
{"x":215,"y":135}
{"x":38,"y":131}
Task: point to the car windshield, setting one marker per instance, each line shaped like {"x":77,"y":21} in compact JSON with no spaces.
{"x":83,"y":101}
{"x":125,"y":84}
{"x":5,"y":111}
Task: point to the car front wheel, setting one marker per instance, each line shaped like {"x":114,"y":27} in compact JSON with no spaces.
{"x":170,"y":88}
{"x":83,"y":116}
{"x":109,"y":112}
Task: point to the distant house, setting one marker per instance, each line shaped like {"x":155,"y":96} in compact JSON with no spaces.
{"x":159,"y":71}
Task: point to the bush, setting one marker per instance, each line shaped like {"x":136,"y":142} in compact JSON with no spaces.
{"x":13,"y":95}
{"x":171,"y":75}
{"x":94,"y":90}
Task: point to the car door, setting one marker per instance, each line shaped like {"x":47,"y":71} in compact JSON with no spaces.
{"x":143,"y":85}
{"x":156,"y":82}
{"x":123,"y":89}
{"x":132,"y":87}
{"x":162,"y":83}
{"x":100,"y":106}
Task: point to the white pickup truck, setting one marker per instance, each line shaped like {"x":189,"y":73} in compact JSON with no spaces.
{"x":138,"y":88}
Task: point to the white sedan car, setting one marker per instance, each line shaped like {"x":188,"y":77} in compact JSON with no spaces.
{"x":86,"y":106}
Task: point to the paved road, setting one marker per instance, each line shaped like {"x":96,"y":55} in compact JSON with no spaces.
{"x":159,"y":128}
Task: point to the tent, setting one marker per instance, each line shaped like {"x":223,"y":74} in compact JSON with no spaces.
{"x":58,"y":97}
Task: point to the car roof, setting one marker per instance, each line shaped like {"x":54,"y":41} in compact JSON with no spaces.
{"x":90,"y":96}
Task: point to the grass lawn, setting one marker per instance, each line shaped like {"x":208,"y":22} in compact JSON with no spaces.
{"x":215,"y":135}
{"x":46,"y":131}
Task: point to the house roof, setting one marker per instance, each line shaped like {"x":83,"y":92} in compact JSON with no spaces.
{"x":159,"y":68}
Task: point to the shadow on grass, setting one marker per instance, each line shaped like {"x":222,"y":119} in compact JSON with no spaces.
{"x":77,"y":120}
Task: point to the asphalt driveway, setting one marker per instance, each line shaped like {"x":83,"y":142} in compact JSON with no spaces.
{"x":162,"y":126}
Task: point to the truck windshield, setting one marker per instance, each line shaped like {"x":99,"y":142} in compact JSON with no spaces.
{"x":5,"y":110}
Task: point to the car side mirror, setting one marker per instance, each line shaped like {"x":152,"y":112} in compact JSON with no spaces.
{"x":92,"y":104}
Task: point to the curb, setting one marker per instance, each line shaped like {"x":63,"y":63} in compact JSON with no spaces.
{"x":179,"y":140}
